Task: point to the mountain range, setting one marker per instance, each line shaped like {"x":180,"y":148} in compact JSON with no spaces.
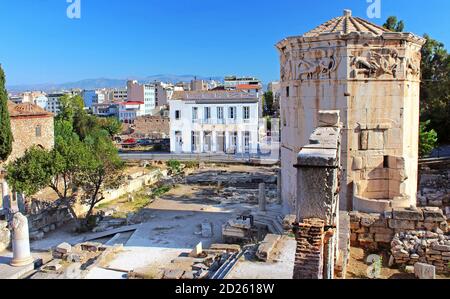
{"x":105,"y":83}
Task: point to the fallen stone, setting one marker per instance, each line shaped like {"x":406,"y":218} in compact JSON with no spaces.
{"x":73,"y":258}
{"x":226,"y":247}
{"x":424,"y":271}
{"x":53,"y":266}
{"x":266,"y":247}
{"x":197,"y":251}
{"x":91,"y":246}
{"x":64,"y":248}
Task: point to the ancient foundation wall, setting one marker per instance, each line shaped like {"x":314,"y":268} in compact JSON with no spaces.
{"x":434,"y":188}
{"x":378,"y":230}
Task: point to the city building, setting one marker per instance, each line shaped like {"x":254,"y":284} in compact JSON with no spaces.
{"x":198,"y":85}
{"x":372,"y":76}
{"x":89,"y":98}
{"x":142,"y":92}
{"x":53,"y":104}
{"x":118,"y":95}
{"x":105,"y":109}
{"x":231,"y":82}
{"x":214,"y":122}
{"x":130,"y":110}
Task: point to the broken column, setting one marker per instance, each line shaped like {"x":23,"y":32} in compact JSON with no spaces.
{"x":20,"y":241}
{"x":262,"y":197}
{"x":318,"y":199}
{"x":280,"y":200}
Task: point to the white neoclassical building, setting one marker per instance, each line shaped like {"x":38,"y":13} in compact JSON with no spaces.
{"x":214,"y":122}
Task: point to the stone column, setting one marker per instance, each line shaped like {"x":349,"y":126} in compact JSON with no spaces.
{"x":279,"y":187}
{"x":21,"y":202}
{"x":6,"y":198}
{"x":262,"y":197}
{"x":20,"y":242}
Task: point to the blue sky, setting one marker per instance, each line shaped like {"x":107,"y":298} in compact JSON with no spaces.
{"x":137,"y":38}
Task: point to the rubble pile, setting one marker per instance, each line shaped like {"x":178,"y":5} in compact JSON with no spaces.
{"x":75,"y":261}
{"x":409,"y":248}
{"x":200,"y":264}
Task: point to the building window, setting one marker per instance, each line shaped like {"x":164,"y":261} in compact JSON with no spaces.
{"x":232,"y":113}
{"x":177,"y":114}
{"x":194,"y":113}
{"x":207,"y":113}
{"x":287,"y":91}
{"x":38,"y":131}
{"x":246,"y":113}
{"x":219,"y":112}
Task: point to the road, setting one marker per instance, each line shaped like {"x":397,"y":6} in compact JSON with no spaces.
{"x":217,"y":158}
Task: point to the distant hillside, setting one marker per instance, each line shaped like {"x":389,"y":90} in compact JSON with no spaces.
{"x":105,"y":83}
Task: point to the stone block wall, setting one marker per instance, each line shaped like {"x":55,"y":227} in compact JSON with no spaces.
{"x":378,"y":230}
{"x":434,"y":190}
{"x":44,"y":217}
{"x":309,"y":253}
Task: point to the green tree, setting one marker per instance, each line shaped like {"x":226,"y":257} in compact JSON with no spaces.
{"x":435,"y":88}
{"x":268,"y":103}
{"x":30,"y":173}
{"x":111,"y":124}
{"x":428,"y":139}
{"x":101,"y":169}
{"x":394,"y":25}
{"x":55,"y":169}
{"x":6,"y":138}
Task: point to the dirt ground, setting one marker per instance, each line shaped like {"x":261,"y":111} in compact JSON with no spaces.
{"x":357,"y":268}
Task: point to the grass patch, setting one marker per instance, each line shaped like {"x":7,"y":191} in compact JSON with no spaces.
{"x":157,"y":192}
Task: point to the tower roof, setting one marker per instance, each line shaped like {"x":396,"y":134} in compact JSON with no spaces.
{"x":346,"y":24}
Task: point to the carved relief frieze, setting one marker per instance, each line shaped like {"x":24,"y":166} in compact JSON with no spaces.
{"x":383,"y":63}
{"x":308,"y":65}
{"x":413,"y":66}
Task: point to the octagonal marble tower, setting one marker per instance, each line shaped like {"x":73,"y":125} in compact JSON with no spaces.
{"x":372,"y":75}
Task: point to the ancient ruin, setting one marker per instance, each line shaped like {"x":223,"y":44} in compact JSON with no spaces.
{"x":371,"y":75}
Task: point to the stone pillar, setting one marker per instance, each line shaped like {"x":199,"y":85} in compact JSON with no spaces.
{"x":6,"y":198}
{"x":262,"y":197}
{"x":21,"y":202}
{"x":280,"y":200}
{"x":20,"y":242}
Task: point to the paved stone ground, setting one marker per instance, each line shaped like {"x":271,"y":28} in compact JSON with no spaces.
{"x":281,"y":268}
{"x":9,"y":272}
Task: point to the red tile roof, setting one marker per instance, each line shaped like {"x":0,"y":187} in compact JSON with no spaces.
{"x":248,"y":86}
{"x":26,"y":110}
{"x":132,"y":103}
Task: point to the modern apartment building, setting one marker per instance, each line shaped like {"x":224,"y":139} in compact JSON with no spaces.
{"x":232,"y":82}
{"x":53,"y":104}
{"x":214,"y":122}
{"x":142,"y":92}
